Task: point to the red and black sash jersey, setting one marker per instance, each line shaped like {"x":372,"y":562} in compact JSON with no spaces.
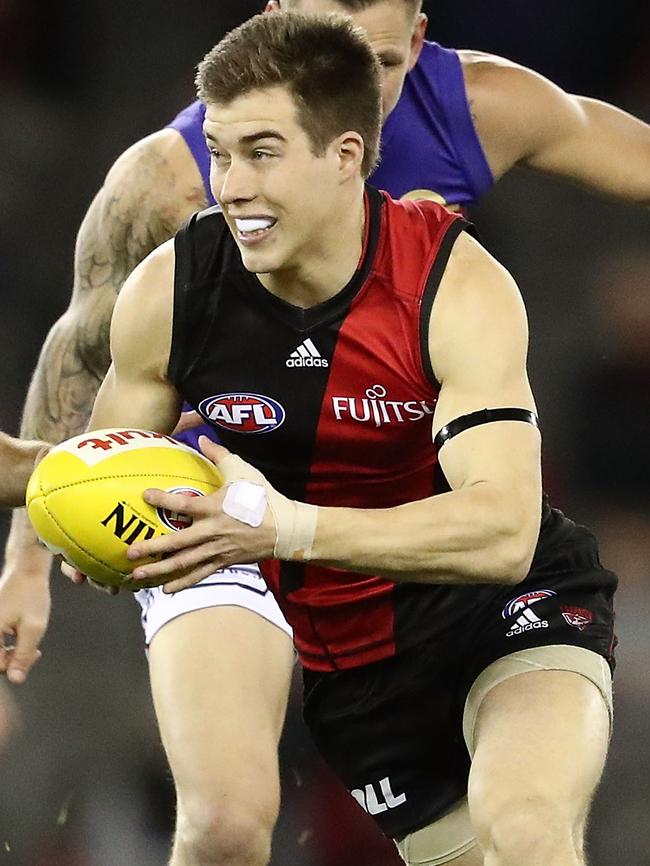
{"x":333,"y":404}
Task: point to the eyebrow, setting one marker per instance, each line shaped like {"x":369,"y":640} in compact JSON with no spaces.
{"x":254,"y":136}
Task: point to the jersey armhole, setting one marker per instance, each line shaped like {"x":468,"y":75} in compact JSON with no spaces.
{"x":431,"y":289}
{"x":183,"y":267}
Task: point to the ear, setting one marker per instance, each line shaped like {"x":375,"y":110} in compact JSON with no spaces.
{"x":273,"y":6}
{"x":417,"y":39}
{"x":349,"y":152}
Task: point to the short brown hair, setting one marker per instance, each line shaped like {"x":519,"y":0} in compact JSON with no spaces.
{"x":325,"y":62}
{"x":356,"y":5}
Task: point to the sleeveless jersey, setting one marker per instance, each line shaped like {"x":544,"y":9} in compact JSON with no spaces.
{"x":430,"y":148}
{"x":333,"y":404}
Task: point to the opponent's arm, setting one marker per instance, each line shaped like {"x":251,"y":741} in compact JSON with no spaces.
{"x":136,"y":391}
{"x":17,"y":459}
{"x":524,"y":119}
{"x":484,"y":530}
{"x":149,"y":191}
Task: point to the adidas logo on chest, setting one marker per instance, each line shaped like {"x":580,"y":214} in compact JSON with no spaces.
{"x":306,"y":355}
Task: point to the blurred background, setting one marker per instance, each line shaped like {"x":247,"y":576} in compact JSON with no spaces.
{"x":84,"y":782}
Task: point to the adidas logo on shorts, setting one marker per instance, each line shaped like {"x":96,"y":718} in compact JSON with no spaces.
{"x":526,"y":622}
{"x":306,"y":355}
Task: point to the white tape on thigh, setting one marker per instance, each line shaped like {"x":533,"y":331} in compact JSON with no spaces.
{"x":246,"y":498}
{"x":444,"y":841}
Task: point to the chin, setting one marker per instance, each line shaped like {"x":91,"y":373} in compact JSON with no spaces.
{"x":258,"y":264}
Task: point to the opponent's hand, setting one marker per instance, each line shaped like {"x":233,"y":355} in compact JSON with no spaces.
{"x":215,"y":539}
{"x":24,"y":614}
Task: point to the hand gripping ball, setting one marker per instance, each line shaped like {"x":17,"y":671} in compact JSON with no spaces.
{"x":85,"y":502}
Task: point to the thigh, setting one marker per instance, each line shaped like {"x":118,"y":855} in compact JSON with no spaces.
{"x":220,"y":681}
{"x":540,"y":737}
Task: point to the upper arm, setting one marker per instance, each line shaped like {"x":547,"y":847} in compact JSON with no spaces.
{"x":149,"y":191}
{"x":478,"y":342}
{"x":523,"y":118}
{"x":136,"y":391}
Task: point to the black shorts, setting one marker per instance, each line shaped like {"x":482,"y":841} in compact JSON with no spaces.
{"x":392,"y":730}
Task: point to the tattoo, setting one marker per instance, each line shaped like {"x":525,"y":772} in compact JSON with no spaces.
{"x":126,"y":221}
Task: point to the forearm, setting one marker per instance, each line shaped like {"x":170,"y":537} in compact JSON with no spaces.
{"x":63,"y":388}
{"x":466,"y":536}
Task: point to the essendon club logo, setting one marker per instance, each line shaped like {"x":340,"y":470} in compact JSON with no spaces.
{"x":243,"y":412}
{"x":127,"y":525}
{"x":174,"y":519}
{"x":578,"y":617}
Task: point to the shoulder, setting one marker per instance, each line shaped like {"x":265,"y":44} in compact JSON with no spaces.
{"x":156,"y":175}
{"x":514,"y":109}
{"x":478,"y":304}
{"x":411,"y":213}
{"x":420,"y":226}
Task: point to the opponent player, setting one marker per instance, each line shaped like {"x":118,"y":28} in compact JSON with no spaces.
{"x":427,"y":604}
{"x":515,"y":116}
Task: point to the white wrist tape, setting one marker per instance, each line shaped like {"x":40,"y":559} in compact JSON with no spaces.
{"x":246,"y":499}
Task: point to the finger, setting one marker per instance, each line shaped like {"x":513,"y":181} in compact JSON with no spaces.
{"x":5,"y":653}
{"x":164,"y":545}
{"x":193,"y":506}
{"x":25,"y":653}
{"x":191,"y":578}
{"x":215,"y":453}
{"x":179,"y":563}
{"x":72,"y":573}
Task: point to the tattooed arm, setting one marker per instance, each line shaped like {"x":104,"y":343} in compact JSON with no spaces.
{"x":147,"y":194}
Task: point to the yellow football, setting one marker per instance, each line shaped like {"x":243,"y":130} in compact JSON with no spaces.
{"x":85,"y":502}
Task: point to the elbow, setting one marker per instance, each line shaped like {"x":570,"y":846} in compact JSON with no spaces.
{"x":512,"y":552}
{"x":513,"y":563}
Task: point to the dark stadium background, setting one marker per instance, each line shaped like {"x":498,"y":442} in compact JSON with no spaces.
{"x":83,"y":780}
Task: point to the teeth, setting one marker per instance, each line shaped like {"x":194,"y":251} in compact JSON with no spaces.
{"x":253,"y":225}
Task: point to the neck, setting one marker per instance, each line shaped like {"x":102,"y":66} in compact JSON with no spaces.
{"x":328,"y":265}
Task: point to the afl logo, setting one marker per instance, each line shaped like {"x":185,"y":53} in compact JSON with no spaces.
{"x":525,"y":600}
{"x":173,"y":519}
{"x":243,"y":413}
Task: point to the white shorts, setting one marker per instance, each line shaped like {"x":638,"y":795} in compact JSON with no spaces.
{"x":237,"y":586}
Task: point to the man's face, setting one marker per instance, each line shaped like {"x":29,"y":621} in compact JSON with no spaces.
{"x":394,"y":32}
{"x":278,"y":198}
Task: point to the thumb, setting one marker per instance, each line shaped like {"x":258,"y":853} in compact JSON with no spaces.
{"x":215,"y":453}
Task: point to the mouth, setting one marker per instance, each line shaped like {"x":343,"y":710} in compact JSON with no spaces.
{"x":252,"y":230}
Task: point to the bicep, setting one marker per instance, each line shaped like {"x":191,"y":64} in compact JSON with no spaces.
{"x":478,"y":345}
{"x":522,"y":118}
{"x":598,"y":146}
{"x":143,"y":402}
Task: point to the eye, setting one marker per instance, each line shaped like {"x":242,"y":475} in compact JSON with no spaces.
{"x":217,"y":155}
{"x":261,"y":154}
{"x":389,"y":62}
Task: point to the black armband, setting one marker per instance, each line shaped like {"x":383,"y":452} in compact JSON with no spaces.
{"x":483,"y":416}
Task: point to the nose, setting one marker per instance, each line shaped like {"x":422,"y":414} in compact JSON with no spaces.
{"x":234,"y":184}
